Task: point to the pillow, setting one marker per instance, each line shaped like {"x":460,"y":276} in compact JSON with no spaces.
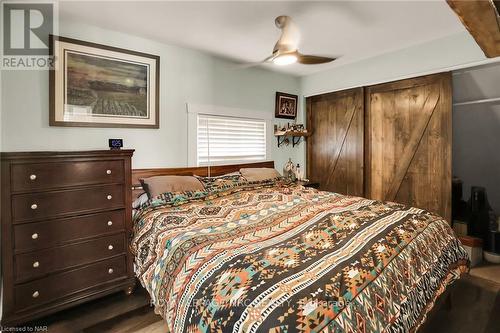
{"x":141,"y":200}
{"x":259,"y":174}
{"x":157,"y":185}
{"x":216,"y":183}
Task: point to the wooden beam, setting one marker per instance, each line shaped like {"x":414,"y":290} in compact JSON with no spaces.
{"x":480,"y":17}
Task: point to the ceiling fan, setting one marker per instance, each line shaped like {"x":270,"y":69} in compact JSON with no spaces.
{"x":286,"y":51}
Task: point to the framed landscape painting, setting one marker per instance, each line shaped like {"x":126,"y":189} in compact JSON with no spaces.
{"x":95,"y":85}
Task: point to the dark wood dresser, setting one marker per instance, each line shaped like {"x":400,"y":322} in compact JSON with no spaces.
{"x":66,"y":224}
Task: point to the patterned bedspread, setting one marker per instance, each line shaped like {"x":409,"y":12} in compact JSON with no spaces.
{"x":293,"y":259}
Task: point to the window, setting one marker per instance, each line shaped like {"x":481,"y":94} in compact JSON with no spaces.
{"x":226,"y":140}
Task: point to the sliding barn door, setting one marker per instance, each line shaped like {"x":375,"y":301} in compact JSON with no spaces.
{"x":335,"y":148}
{"x":408,"y":142}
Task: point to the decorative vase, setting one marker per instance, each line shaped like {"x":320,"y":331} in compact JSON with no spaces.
{"x":288,"y":169}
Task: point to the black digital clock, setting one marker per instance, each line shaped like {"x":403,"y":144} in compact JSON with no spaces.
{"x":115,"y":143}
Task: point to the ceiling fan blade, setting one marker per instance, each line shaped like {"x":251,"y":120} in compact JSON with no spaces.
{"x":254,"y":64}
{"x":306,"y":59}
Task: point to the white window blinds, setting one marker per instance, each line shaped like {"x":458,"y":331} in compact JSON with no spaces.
{"x":225,"y":140}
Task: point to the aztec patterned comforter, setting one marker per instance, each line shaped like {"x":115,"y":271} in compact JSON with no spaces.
{"x":286,"y":258}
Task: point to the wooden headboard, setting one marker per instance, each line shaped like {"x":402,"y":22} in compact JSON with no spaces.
{"x":215,"y":170}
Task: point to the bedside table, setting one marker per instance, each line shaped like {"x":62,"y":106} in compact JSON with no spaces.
{"x":307,"y":184}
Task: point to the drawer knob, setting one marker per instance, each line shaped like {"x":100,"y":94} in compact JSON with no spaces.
{"x":109,"y":197}
{"x":34,"y":236}
{"x":36,"y":264}
{"x":110,"y":223}
{"x":33,"y":177}
{"x":35,"y":294}
{"x":108,"y":171}
{"x":110,"y":247}
{"x":110,"y":271}
{"x":34,"y":206}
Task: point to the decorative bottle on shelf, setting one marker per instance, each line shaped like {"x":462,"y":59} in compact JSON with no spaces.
{"x":299,"y":173}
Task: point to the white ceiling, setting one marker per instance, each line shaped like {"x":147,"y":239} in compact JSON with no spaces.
{"x":244,"y":30}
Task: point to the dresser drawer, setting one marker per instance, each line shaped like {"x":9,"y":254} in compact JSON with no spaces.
{"x":32,"y":236}
{"x":38,"y":176}
{"x":63,"y":284}
{"x":59,"y":203}
{"x":35,"y":264}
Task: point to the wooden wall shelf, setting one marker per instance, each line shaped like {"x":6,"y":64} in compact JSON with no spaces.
{"x":295,"y":135}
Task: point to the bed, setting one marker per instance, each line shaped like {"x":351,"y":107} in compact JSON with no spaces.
{"x":273,"y":256}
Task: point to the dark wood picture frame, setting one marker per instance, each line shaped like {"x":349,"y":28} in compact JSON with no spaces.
{"x":280,"y":97}
{"x":154,"y":107}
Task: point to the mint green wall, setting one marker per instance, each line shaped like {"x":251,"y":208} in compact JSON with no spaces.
{"x":187,"y":76}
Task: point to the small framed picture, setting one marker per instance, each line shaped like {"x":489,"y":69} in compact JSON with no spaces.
{"x":95,"y":85}
{"x":286,"y":105}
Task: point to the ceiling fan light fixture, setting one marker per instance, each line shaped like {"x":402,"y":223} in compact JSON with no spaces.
{"x":285,"y":59}
{"x":285,"y":51}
